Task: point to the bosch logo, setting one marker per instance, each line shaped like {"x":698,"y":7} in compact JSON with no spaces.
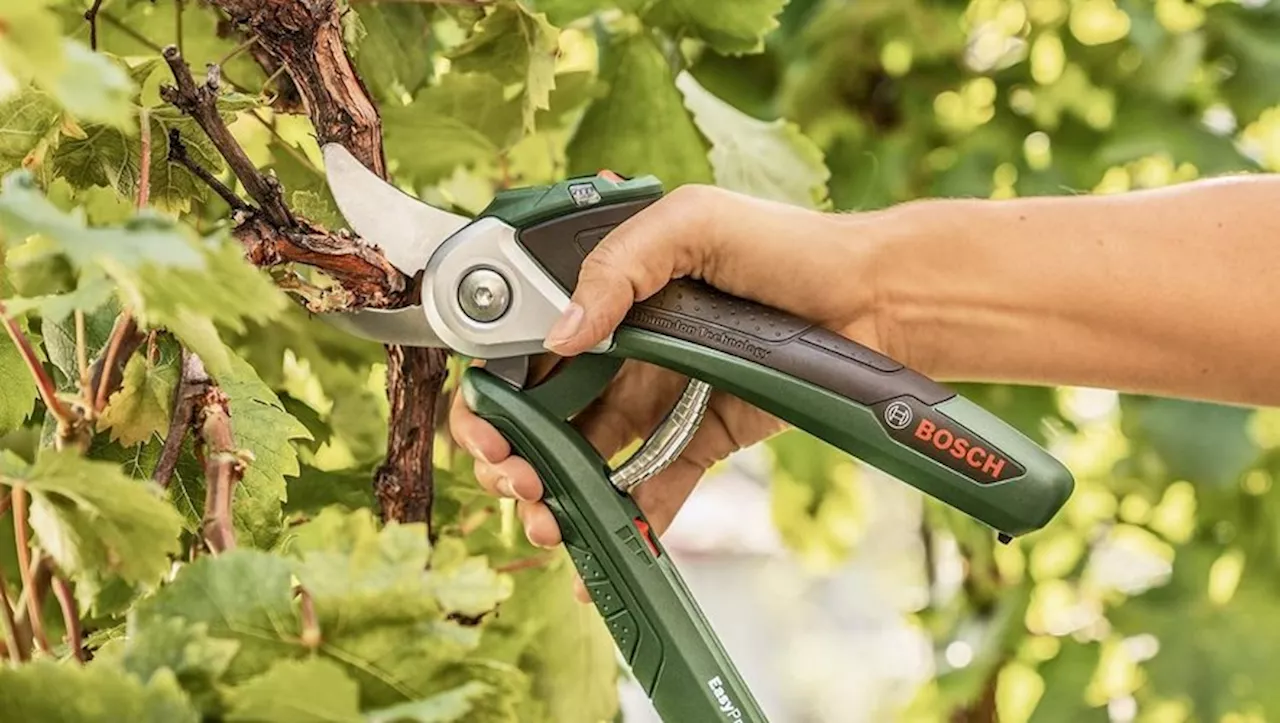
{"x":898,"y":415}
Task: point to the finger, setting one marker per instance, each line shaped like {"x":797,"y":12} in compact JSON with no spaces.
{"x":639,"y":257}
{"x":539,"y":524}
{"x":580,"y":589}
{"x":630,"y":408}
{"x":481,"y":439}
{"x":513,"y":477}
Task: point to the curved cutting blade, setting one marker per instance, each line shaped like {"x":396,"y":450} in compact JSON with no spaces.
{"x":407,"y":230}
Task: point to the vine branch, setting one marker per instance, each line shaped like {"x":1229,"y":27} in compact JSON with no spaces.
{"x":70,"y":616}
{"x":223,"y":467}
{"x":91,"y":15}
{"x":67,"y":421}
{"x":192,"y":385}
{"x":26,"y":570}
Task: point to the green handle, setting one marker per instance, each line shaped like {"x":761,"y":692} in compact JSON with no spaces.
{"x":658,"y":627}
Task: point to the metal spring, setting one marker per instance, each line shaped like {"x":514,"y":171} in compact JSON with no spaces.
{"x":667,"y":441}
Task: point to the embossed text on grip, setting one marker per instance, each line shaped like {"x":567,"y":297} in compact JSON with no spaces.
{"x":696,"y":312}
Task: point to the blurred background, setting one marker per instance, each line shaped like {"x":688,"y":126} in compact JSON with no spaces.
{"x":1154,"y":597}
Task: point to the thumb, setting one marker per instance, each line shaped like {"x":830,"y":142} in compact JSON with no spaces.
{"x":671,"y":238}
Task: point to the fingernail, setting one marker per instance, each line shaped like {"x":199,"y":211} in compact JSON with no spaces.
{"x":506,"y":488}
{"x":475,"y":452}
{"x":565,"y":327}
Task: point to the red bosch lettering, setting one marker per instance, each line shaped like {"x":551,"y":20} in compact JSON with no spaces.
{"x":970,"y":451}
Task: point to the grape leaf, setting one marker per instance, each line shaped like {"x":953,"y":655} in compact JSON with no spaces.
{"x":642,"y":111}
{"x":395,"y":56}
{"x":93,"y":291}
{"x":731,"y":28}
{"x":772,"y":160}
{"x":561,"y":644}
{"x":446,"y":707}
{"x":263,"y":427}
{"x":314,"y":489}
{"x":90,"y":85}
{"x":107,"y":157}
{"x":298,"y":691}
{"x":1200,"y":442}
{"x":183,"y":649}
{"x":383,"y":615}
{"x":96,"y":521}
{"x":46,"y":691}
{"x":143,"y":405}
{"x":516,"y":46}
{"x":563,"y":12}
{"x":241,"y":595}
{"x":27,"y":119}
{"x":25,"y":211}
{"x":17,"y":388}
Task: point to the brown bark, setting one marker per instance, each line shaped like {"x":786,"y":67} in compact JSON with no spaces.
{"x":223,"y":467}
{"x":306,"y":37}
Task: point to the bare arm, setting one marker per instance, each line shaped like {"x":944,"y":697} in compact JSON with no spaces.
{"x":1174,"y":291}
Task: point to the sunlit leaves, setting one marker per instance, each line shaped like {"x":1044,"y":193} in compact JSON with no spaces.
{"x":732,"y":27}
{"x":89,"y":85}
{"x":48,"y":691}
{"x":301,"y":691}
{"x":94,"y":520}
{"x":142,"y":407}
{"x":17,"y":387}
{"x":642,"y":108}
{"x":772,"y":160}
{"x":186,"y":651}
{"x":516,"y":46}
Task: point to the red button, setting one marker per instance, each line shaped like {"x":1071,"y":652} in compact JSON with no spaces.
{"x":608,"y":175}
{"x":647,"y":534}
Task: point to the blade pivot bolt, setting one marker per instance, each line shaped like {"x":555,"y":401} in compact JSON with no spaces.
{"x":484,"y":295}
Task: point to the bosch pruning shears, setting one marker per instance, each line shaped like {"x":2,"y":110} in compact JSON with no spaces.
{"x":493,"y":286}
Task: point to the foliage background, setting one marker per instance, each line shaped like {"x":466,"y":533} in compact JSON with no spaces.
{"x":1153,"y":597}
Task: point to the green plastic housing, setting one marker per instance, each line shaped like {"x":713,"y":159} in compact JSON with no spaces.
{"x":657,"y":625}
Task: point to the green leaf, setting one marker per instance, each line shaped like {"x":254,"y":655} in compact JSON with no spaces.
{"x":263,"y":428}
{"x":1246,"y":36}
{"x":90,"y":85}
{"x":395,"y":56}
{"x":516,"y":46}
{"x":241,"y":595}
{"x":731,"y":28}
{"x":562,"y":645}
{"x":643,"y":110}
{"x":563,"y":12}
{"x":446,"y":707}
{"x":382,"y":614}
{"x":51,"y":693}
{"x":298,"y":691}
{"x":314,"y":489}
{"x":96,"y":521}
{"x":143,"y":406}
{"x":24,"y":211}
{"x":27,"y":120}
{"x":772,"y":160}
{"x":91,"y":294}
{"x":185,"y":650}
{"x":18,"y":392}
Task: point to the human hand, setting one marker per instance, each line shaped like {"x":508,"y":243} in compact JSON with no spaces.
{"x":768,"y":252}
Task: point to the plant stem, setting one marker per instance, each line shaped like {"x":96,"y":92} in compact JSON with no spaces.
{"x":124,"y":341}
{"x":144,"y":159}
{"x":311,"y":638}
{"x":92,"y":16}
{"x":48,"y":391}
{"x":82,"y":360}
{"x":17,"y":651}
{"x":191,"y":386}
{"x":70,"y":616}
{"x":22,"y":538}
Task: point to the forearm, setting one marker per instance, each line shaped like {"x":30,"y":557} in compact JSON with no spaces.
{"x":1173,"y":292}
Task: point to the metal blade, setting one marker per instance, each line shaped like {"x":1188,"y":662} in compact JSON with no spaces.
{"x":406,"y":327}
{"x":406,"y":229}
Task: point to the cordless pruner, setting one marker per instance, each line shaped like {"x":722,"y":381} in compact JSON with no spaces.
{"x":493,"y":286}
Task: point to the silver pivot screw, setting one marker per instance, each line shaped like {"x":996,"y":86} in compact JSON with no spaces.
{"x":484,"y":295}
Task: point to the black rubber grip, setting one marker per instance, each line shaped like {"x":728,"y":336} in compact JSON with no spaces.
{"x":696,"y":312}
